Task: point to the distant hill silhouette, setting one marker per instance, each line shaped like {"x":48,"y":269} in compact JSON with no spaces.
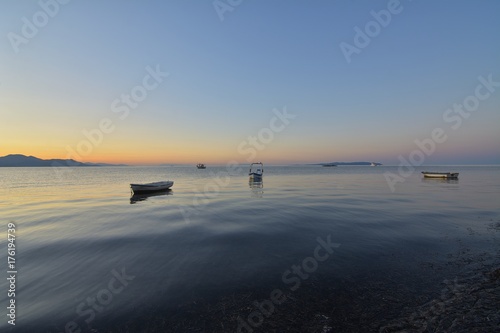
{"x":348,"y":163}
{"x":18,"y":160}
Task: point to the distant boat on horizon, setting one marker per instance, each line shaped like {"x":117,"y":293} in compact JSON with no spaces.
{"x":201,"y":166}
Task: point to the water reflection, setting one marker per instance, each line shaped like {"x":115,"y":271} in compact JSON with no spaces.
{"x":143,"y":196}
{"x":257,"y":188}
{"x":440,"y":180}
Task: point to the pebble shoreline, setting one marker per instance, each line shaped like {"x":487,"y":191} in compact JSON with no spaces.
{"x":466,"y":305}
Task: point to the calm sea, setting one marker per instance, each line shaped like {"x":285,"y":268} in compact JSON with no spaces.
{"x":296,"y":252}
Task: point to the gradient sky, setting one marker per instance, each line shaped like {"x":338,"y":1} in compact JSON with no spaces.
{"x":227,"y":76}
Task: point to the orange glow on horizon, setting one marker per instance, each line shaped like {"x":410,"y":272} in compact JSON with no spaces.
{"x":184,"y":157}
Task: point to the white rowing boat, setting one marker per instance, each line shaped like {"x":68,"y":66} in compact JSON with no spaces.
{"x":445,"y":175}
{"x":151,"y":187}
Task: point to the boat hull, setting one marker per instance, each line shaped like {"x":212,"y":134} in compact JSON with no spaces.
{"x":151,"y":187}
{"x":441,"y":175}
{"x":255,"y":177}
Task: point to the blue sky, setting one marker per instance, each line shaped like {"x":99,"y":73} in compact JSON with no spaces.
{"x":227,"y":76}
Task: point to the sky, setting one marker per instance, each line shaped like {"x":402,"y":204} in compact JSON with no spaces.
{"x":185,"y":81}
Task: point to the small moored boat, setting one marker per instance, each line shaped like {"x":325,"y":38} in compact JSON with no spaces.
{"x":151,"y":187}
{"x":445,"y":175}
{"x":256,"y":172}
{"x":201,"y":166}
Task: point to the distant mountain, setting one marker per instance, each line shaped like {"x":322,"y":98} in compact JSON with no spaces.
{"x":348,"y":163}
{"x":103,"y":164}
{"x":18,"y":160}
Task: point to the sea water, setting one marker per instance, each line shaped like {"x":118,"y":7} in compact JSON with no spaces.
{"x":89,"y":255}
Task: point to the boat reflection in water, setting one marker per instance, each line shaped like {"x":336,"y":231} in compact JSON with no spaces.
{"x":143,"y":196}
{"x":257,"y":188}
{"x":440,"y":180}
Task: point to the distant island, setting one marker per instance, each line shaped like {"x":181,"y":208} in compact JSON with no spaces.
{"x":347,"y":163}
{"x":18,"y":160}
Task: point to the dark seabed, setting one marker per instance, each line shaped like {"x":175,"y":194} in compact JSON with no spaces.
{"x":311,"y":249}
